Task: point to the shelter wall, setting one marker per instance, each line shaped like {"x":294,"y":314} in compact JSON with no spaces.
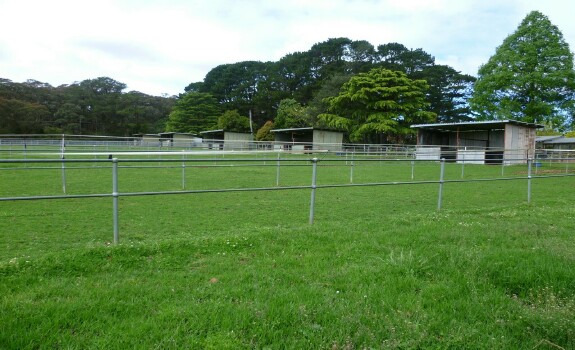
{"x":518,"y":142}
{"x":237,"y":140}
{"x":151,"y":139}
{"x":185,"y":140}
{"x":324,"y":139}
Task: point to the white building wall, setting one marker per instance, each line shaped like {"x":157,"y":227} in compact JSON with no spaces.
{"x":237,"y":140}
{"x":428,"y":153}
{"x":330,"y":140}
{"x":182,"y":140}
{"x":519,"y":143}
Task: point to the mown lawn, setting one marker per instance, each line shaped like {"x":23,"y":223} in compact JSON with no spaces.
{"x":381,"y":267}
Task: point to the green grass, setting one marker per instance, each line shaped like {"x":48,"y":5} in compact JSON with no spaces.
{"x":380,"y":267}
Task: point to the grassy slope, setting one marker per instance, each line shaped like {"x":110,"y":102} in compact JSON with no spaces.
{"x":380,"y":268}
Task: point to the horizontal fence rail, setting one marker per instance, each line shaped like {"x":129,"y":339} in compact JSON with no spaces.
{"x":314,"y":162}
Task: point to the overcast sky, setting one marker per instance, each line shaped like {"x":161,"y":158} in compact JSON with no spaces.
{"x":160,"y":46}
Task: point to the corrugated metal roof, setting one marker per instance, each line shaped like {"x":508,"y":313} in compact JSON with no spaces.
{"x":304,"y":129}
{"x":560,"y":140}
{"x":487,"y":124}
{"x":212,"y":131}
{"x":547,"y":138}
{"x":291,"y":129}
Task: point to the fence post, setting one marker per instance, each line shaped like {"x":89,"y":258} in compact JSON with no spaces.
{"x":351,"y":167}
{"x":412,"y":169}
{"x":63,"y":175}
{"x":62,"y":152}
{"x":441,"y":181}
{"x":529,"y":162}
{"x":278,"y":171}
{"x":115,"y":196}
{"x":183,"y":170}
{"x":313,"y":187}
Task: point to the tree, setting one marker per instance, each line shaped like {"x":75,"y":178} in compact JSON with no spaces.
{"x":194,"y":112}
{"x":233,"y":121}
{"x":529,"y":78}
{"x":291,"y":114}
{"x":92,"y":106}
{"x":235,"y":85}
{"x":378,"y":102}
{"x":21,"y":117}
{"x":395,"y":56}
{"x":319,"y":105}
{"x":264,"y":133}
{"x":449,"y":93}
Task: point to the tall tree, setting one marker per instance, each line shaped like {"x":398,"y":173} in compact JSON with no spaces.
{"x":235,"y":85}
{"x":379,"y":102}
{"x":395,"y":56}
{"x":291,"y":114}
{"x":194,"y":112}
{"x":449,"y":92}
{"x":264,"y":133}
{"x":22,"y":117}
{"x":529,"y":78}
{"x":233,"y":121}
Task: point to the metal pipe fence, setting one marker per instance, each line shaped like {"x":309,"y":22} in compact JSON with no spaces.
{"x":278,"y":162}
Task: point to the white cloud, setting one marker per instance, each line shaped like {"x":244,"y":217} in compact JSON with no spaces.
{"x":161,"y":46}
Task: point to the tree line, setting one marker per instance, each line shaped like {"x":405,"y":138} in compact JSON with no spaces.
{"x":304,"y":80}
{"x":90,"y":107}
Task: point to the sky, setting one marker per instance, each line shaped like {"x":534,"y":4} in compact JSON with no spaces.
{"x":158,"y":47}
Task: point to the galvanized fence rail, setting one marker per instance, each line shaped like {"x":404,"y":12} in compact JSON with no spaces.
{"x":115,"y":194}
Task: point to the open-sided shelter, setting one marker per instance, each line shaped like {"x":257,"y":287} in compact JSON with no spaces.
{"x":558,"y":142}
{"x":308,"y":138}
{"x":498,"y":141}
{"x":221,"y":139}
{"x":179,"y":139}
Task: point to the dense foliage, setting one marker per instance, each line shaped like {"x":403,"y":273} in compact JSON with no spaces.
{"x":291,"y":114}
{"x":94,"y":106}
{"x":234,"y":122}
{"x":379,"y":102}
{"x":529,"y":78}
{"x":311,"y":76}
{"x":194,"y":112}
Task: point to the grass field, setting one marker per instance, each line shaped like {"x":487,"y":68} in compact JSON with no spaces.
{"x":380,"y":267}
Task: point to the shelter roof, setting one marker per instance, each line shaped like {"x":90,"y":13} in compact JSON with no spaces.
{"x":310,"y":128}
{"x":218,"y":131}
{"x":560,"y":140}
{"x":475,"y":125}
{"x":547,"y":138}
{"x":171,"y":133}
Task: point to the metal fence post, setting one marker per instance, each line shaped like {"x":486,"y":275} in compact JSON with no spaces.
{"x":441,"y":181}
{"x":313,"y":187}
{"x":278,"y":171}
{"x":62,"y":152}
{"x":529,"y":162}
{"x":351,"y":168}
{"x":183,"y":171}
{"x":115,"y":196}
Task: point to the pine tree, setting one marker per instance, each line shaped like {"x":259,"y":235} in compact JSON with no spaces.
{"x":530,"y":77}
